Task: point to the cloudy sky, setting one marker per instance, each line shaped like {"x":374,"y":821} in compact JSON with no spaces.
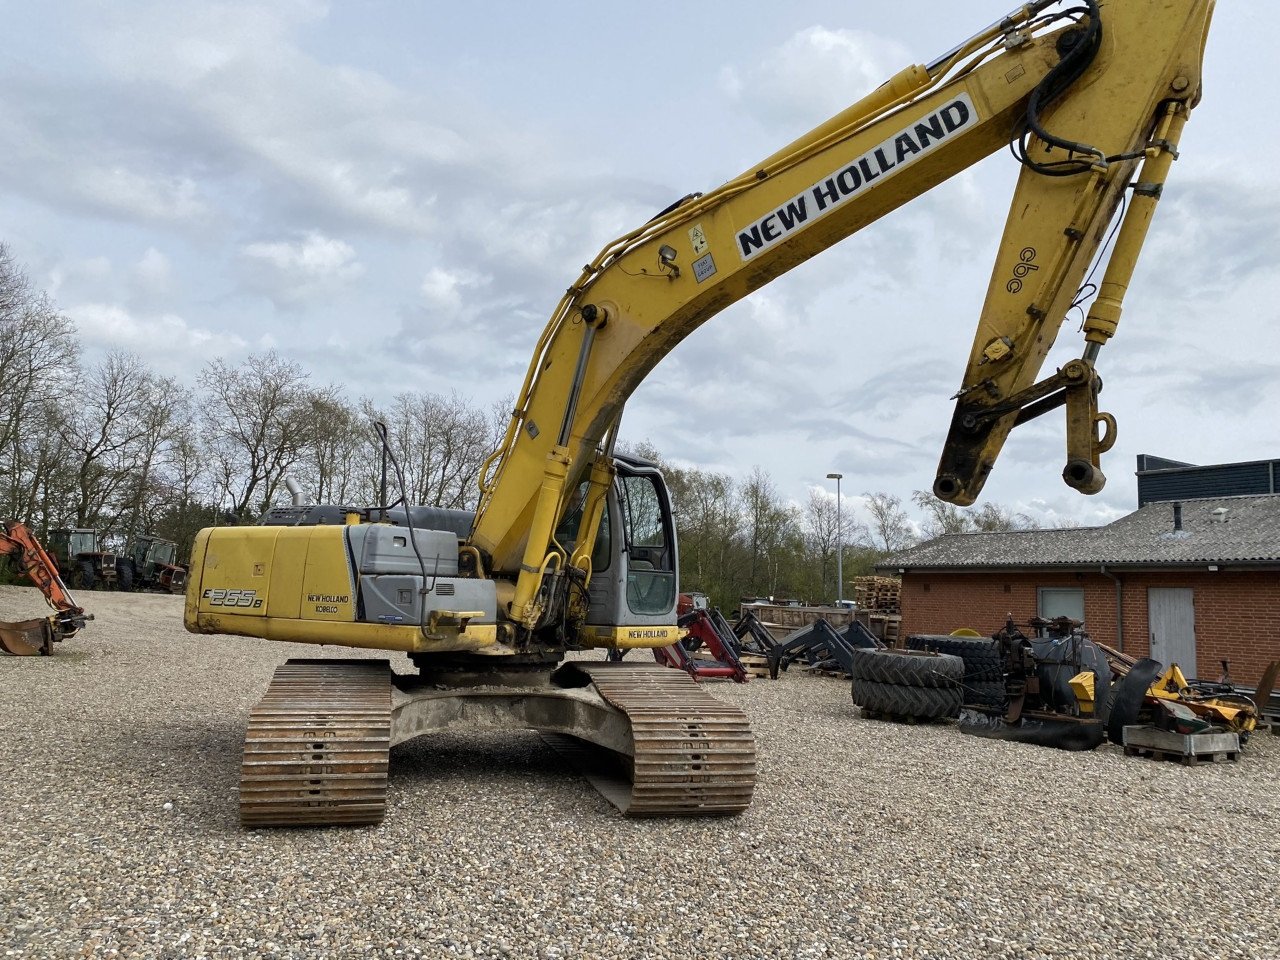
{"x":397,"y":194}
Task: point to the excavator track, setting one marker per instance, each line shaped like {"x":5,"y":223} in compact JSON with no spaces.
{"x":317,"y":748}
{"x":693,"y":754}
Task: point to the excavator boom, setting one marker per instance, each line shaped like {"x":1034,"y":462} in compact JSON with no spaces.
{"x":1085,"y":95}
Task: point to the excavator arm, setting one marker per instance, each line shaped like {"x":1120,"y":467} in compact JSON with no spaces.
{"x":1087,"y":94}
{"x":28,"y":637}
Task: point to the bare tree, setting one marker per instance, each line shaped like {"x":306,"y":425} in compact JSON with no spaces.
{"x":110,"y":433}
{"x":940,"y":517}
{"x":770,"y":524}
{"x":38,"y":375}
{"x":823,"y":533}
{"x":993,"y":518}
{"x":164,"y":421}
{"x":890,"y":526}
{"x":440,"y":443}
{"x":257,"y":419}
{"x":330,"y":464}
{"x":943,"y":518}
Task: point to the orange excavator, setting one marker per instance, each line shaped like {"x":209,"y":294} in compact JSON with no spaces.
{"x":27,"y":638}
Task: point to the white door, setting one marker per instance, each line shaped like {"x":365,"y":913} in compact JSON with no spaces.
{"x":1171,"y":613}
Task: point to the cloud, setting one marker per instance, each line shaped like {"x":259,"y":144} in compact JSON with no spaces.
{"x":167,"y":338}
{"x":291,"y":272}
{"x":813,"y":75}
{"x":443,"y":289}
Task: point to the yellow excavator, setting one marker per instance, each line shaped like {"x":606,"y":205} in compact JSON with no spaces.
{"x":572,"y":547}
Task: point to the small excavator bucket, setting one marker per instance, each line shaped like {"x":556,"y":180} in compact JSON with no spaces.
{"x":27,"y":638}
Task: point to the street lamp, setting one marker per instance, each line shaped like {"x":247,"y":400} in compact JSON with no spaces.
{"x":837,"y":477}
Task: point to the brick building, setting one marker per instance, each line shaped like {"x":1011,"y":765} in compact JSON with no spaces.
{"x":1193,"y":582}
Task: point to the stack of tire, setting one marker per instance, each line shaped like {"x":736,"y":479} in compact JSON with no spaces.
{"x":983,"y":680}
{"x":907,"y":684}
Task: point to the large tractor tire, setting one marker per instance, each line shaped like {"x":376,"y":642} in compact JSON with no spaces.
{"x":981,"y":655}
{"x":124,"y":576}
{"x":907,"y":668}
{"x":986,"y":693}
{"x":84,"y":575}
{"x":904,"y":702}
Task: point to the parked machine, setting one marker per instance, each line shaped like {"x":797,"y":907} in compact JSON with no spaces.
{"x":81,"y":560}
{"x":573,"y":547}
{"x":1056,"y":687}
{"x":151,"y":563}
{"x":30,"y":637}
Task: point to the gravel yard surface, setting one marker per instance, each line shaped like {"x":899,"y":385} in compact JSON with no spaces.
{"x":119,"y":758}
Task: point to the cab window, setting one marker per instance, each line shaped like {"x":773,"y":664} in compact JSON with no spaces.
{"x":651,"y":577}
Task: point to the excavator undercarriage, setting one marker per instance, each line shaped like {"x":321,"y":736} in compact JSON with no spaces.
{"x":651,"y":740}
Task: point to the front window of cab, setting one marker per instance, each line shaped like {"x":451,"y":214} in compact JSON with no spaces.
{"x":651,"y":575}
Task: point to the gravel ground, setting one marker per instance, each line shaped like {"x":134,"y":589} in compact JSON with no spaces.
{"x":119,"y":759}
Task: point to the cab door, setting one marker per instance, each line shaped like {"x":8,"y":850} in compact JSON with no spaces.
{"x":634,"y":578}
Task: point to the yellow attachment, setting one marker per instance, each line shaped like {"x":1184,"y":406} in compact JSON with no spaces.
{"x":1169,"y":685}
{"x":1172,"y":685}
{"x":965,"y":632}
{"x":1083,"y":686}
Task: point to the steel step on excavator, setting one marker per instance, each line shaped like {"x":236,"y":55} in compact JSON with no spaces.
{"x":28,"y":638}
{"x":572,"y":547}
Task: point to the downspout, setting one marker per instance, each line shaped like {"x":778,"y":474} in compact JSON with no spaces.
{"x":1119,"y":606}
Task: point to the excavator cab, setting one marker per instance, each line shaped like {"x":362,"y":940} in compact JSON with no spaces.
{"x":634,"y":580}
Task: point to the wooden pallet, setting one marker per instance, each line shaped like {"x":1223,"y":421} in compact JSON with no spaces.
{"x":882,"y":594}
{"x":756,"y":665}
{"x":1188,"y":749}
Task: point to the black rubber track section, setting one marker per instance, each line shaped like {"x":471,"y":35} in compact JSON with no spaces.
{"x":1040,"y":732}
{"x":1128,"y":697}
{"x":981,"y":655}
{"x":923,"y":703}
{"x":908,"y":669}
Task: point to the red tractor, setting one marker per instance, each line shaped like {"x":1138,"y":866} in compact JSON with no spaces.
{"x":151,"y":563}
{"x":81,"y":561}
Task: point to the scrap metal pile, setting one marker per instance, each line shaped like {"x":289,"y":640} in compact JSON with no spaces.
{"x":1055,"y":686}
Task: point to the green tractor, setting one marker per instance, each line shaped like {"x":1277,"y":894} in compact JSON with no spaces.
{"x":151,"y":563}
{"x":82,"y":563}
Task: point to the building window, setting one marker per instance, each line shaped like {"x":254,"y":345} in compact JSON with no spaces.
{"x":1061,"y":602}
